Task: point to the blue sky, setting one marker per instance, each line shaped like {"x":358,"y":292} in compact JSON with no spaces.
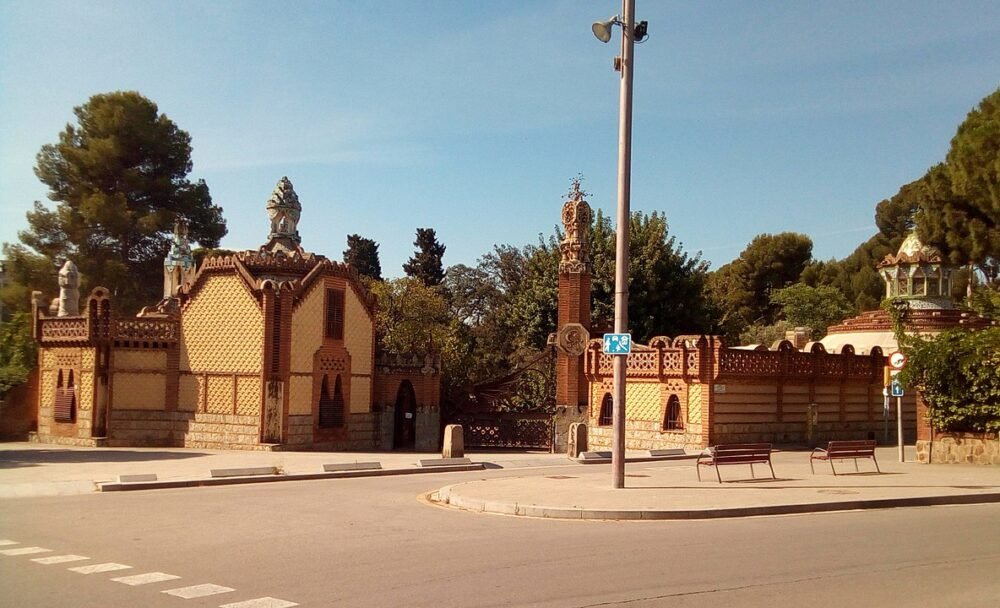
{"x":473,"y":117}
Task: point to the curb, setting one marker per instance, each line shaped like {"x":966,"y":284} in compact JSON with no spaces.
{"x":445,"y":496}
{"x":224,"y":481}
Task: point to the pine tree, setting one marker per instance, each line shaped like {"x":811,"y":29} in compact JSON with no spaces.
{"x":362,"y":255}
{"x":426,"y":262}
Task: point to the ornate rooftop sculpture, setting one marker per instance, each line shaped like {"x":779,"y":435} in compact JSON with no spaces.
{"x":283,"y":209}
{"x":179,"y":265}
{"x":69,"y":290}
{"x":575,"y":246}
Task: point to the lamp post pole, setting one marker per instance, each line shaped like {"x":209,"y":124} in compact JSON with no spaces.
{"x":622,"y":243}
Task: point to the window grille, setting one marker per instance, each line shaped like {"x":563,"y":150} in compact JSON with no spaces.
{"x":607,"y":411}
{"x":331,"y":408}
{"x":335,"y":314}
{"x":672,"y":416}
{"x":65,"y":406}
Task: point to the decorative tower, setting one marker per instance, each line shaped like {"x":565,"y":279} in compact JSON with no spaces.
{"x":574,"y":314}
{"x":918,"y":274}
{"x":178,"y":266}
{"x":283,"y":209}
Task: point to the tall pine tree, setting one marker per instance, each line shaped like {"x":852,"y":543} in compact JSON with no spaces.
{"x":362,"y":255}
{"x":426,"y":262}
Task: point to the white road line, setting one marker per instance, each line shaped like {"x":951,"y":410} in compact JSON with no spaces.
{"x":6,"y":541}
{"x":261,"y":602}
{"x":145,"y":579}
{"x":95,"y":568}
{"x":25,"y":551}
{"x":198,"y":591}
{"x":59,"y":559}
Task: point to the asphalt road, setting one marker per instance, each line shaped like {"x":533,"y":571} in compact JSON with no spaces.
{"x":374,"y":542}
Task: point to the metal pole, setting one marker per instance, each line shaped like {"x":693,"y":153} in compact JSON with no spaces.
{"x":899,"y":427}
{"x":621,"y":249}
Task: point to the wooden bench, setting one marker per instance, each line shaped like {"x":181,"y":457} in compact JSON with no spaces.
{"x":843,"y":450}
{"x":735,"y":453}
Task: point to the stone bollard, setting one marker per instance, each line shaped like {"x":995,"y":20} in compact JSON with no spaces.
{"x":577,"y":439}
{"x":454,"y":444}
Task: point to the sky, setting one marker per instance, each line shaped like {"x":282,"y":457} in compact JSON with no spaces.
{"x":472,"y":118}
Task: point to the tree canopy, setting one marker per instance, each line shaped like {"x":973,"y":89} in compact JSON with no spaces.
{"x":362,"y":255}
{"x":426,"y":262}
{"x":119,"y":178}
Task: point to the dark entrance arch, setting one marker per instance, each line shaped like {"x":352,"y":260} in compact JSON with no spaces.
{"x":404,"y":427}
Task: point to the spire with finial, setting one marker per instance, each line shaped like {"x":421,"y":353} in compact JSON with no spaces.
{"x":576,"y":217}
{"x":283,"y":209}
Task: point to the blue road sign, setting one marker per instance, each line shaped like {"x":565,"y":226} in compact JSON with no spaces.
{"x":617,"y":344}
{"x":896,"y":390}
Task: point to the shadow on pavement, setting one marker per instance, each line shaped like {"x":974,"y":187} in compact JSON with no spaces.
{"x":10,"y":459}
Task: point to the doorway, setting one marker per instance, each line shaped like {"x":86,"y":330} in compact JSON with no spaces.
{"x":405,"y":422}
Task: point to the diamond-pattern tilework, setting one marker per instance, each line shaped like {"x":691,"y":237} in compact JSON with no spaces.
{"x":85,"y":390}
{"x":694,"y":403}
{"x":307,"y":329}
{"x":357,"y":337}
{"x":248,"y":396}
{"x":222,"y":329}
{"x":220,"y":395}
{"x":48,"y":387}
{"x":642,"y":401}
{"x":88,"y":357}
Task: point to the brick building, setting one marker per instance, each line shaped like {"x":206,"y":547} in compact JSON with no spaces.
{"x":266,"y":349}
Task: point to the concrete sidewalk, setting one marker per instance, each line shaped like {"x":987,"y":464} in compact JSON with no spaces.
{"x":32,"y":469}
{"x":671,"y":490}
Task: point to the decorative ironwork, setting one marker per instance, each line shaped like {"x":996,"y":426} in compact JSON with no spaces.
{"x":506,"y":430}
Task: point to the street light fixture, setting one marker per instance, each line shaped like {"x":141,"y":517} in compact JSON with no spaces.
{"x":624,"y":64}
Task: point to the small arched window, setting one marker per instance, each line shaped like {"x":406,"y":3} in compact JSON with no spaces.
{"x":607,"y":411}
{"x":672,"y":415}
{"x":331,"y":407}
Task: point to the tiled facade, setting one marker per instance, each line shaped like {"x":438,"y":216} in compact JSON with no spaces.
{"x":266,"y":349}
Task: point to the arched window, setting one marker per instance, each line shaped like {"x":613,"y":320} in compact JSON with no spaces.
{"x":919,"y":283}
{"x":672,"y":415}
{"x":331,"y":407}
{"x":65,"y":406}
{"x":607,"y":411}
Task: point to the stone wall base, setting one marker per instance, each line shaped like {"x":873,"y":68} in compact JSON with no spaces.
{"x":959,"y":448}
{"x":646,"y":435}
{"x":86,"y":442}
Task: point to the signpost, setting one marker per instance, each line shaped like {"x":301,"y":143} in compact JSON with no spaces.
{"x":897,"y":361}
{"x":617,"y":344}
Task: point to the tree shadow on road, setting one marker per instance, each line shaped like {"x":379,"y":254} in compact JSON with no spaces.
{"x":10,"y":459}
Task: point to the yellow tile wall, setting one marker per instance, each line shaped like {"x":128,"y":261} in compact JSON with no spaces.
{"x":48,"y":387}
{"x":642,"y":401}
{"x":85,"y":392}
{"x":361,"y":394}
{"x":307,"y":329}
{"x":248,"y":396}
{"x":694,"y":403}
{"x":189,"y":393}
{"x":220,"y":395}
{"x":137,"y":359}
{"x":139,"y":391}
{"x":300,"y":395}
{"x":222,"y":329}
{"x":358,"y":330}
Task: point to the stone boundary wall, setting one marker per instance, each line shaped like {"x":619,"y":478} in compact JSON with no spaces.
{"x":361,"y":435}
{"x":959,"y":448}
{"x":645,"y":435}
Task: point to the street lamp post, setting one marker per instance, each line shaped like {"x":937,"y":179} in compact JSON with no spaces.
{"x":624,"y":64}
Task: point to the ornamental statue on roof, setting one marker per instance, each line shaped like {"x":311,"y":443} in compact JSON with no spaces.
{"x":179,"y":265}
{"x":283,"y":209}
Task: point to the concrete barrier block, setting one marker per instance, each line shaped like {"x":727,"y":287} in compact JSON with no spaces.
{"x":244,"y":472}
{"x":443,"y":462}
{"x":137,"y":478}
{"x":351,"y":466}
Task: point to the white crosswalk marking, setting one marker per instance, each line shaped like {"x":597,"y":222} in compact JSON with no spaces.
{"x":25,"y":551}
{"x":6,"y":541}
{"x":145,"y":579}
{"x":59,"y":559}
{"x":95,"y":568}
{"x":261,"y":602}
{"x":198,"y":591}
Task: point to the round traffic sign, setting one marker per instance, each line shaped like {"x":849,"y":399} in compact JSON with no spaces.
{"x":897,"y":360}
